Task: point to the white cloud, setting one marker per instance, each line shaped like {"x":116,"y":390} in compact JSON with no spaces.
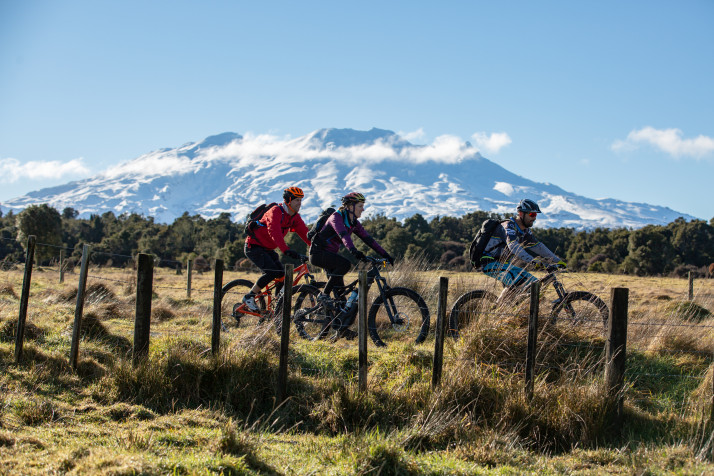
{"x":446,"y":149}
{"x":414,"y":136}
{"x":11,"y":170}
{"x":669,"y":141}
{"x":491,"y":143}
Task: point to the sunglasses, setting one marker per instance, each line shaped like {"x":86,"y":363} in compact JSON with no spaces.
{"x":532,"y":214}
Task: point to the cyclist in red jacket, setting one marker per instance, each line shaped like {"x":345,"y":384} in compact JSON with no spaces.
{"x":269,"y":235}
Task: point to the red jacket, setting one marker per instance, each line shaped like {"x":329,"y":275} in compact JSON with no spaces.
{"x":272,"y":228}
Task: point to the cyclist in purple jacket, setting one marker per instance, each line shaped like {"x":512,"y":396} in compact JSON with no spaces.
{"x":337,"y":232}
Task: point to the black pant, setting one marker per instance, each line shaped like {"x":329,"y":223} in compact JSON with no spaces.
{"x":269,"y":263}
{"x":335,"y":265}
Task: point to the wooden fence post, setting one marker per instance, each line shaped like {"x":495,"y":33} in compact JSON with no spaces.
{"x":142,"y":320}
{"x":616,"y":351}
{"x":24,"y":297}
{"x":189,"y":269}
{"x":532,"y":338}
{"x":285,"y":334}
{"x":362,"y":330}
{"x":217,"y":295}
{"x":61,"y":266}
{"x":79,"y":309}
{"x":691,"y":286}
{"x":440,"y":332}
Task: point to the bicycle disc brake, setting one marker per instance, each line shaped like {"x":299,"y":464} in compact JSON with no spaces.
{"x":300,"y":315}
{"x":401,"y":322}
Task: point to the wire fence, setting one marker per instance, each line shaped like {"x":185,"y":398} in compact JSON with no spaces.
{"x":662,"y":320}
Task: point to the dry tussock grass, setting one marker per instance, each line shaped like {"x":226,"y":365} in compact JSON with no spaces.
{"x":6,"y":289}
{"x":161,"y":314}
{"x":480,"y":412}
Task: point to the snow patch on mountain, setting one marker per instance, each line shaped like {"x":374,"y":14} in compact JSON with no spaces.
{"x":231,"y":173}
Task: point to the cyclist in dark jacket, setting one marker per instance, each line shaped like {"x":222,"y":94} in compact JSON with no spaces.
{"x":505,"y":256}
{"x":336,"y":233}
{"x":269,"y":235}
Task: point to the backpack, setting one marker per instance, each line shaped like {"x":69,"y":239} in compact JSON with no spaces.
{"x":320,"y":223}
{"x":254,"y":217}
{"x":478,"y":245}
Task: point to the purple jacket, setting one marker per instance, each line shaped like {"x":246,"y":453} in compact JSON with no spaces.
{"x":338,"y":231}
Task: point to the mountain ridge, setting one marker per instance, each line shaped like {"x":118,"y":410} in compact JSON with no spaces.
{"x":233,"y":173}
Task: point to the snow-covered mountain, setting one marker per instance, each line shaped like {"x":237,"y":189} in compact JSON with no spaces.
{"x":231,"y":173}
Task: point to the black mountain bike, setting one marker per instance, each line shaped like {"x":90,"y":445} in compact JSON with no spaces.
{"x":395,"y":313}
{"x":577,"y":307}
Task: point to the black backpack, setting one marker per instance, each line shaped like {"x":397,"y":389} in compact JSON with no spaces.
{"x":478,"y":245}
{"x":320,"y":223}
{"x":255,"y":216}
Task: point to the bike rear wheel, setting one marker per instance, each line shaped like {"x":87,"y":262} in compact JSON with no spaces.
{"x":232,"y":299}
{"x":469,"y":308}
{"x":583,"y":309}
{"x":308,"y":324}
{"x":409,"y":311}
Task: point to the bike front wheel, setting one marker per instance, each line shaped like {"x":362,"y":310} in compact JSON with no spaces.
{"x":232,"y":301}
{"x":469,"y":308}
{"x":583,"y":309}
{"x":409,"y":317}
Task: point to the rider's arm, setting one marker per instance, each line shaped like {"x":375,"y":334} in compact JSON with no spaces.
{"x":367,"y":238}
{"x":515,"y":245}
{"x":539,"y":248}
{"x":300,"y":228}
{"x":273,"y":222}
{"x":339,"y":226}
{"x":542,"y":250}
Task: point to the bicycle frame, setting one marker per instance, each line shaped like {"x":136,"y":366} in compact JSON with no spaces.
{"x":299,"y":273}
{"x":373,"y":275}
{"x":552,"y":278}
{"x":520,"y":294}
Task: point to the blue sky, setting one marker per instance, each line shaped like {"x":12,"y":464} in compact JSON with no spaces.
{"x":604,"y":99}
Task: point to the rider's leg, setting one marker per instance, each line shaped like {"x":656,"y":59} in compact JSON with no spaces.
{"x":515,"y":279}
{"x":269,"y":262}
{"x":334,"y":265}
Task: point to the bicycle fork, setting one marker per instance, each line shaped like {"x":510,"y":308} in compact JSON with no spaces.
{"x":558,"y":286}
{"x":389,"y":306}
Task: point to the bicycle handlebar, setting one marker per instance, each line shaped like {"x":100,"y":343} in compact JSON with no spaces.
{"x":376,"y":261}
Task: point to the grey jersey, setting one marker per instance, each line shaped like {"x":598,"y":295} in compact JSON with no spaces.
{"x":509,"y":242}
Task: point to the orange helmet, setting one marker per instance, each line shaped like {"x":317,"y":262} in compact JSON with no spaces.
{"x":291,"y":193}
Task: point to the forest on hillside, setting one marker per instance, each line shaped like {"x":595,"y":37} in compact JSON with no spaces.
{"x":674,"y":249}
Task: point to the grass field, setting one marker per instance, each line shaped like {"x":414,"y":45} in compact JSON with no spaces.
{"x":184,"y":411}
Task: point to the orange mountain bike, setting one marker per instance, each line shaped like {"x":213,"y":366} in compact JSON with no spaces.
{"x":268,"y":300}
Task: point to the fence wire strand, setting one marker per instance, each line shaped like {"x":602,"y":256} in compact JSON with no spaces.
{"x":238,"y":336}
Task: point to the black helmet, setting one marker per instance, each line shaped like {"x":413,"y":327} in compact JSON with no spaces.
{"x":353,"y":197}
{"x":528,"y":206}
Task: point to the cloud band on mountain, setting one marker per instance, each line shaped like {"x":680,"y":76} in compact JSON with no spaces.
{"x":447,"y":149}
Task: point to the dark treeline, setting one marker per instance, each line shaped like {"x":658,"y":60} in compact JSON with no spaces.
{"x":673,"y":249}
